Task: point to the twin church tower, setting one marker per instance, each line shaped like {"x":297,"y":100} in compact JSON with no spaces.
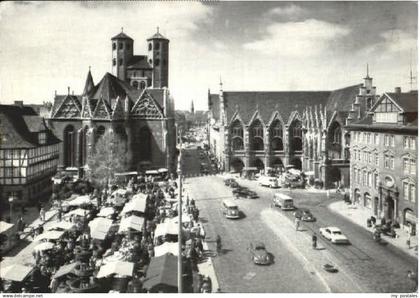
{"x":141,"y":71}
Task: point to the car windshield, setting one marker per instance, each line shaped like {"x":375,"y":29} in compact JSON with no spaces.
{"x":336,"y":233}
{"x":233,"y":208}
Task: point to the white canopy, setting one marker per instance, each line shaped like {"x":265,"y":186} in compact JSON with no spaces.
{"x":167,"y":247}
{"x":60,"y":225}
{"x":119,"y":191}
{"x":163,"y":170}
{"x":50,"y":235}
{"x":44,"y":246}
{"x":78,"y":212}
{"x":121,"y":268}
{"x":106,"y":211}
{"x":166,"y":228}
{"x":133,"y":222}
{"x":138,"y":203}
{"x":99,"y":227}
{"x":4,"y":226}
{"x":15,"y":272}
{"x":152,"y":172}
{"x":80,"y":200}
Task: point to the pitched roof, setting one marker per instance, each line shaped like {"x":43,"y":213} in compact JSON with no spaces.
{"x":121,"y":35}
{"x":407,"y":100}
{"x":268,"y":102}
{"x":139,"y":62}
{"x":20,"y":127}
{"x":59,"y":99}
{"x":341,"y":99}
{"x":214,"y":105}
{"x":89,"y":85}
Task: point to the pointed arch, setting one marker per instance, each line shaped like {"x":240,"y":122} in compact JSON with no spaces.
{"x":256,"y":135}
{"x":69,"y":146}
{"x":295,"y":133}
{"x":276,"y":135}
{"x":237,"y":135}
{"x":334,"y":136}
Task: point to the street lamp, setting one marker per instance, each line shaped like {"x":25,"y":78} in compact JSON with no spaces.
{"x":11,"y":199}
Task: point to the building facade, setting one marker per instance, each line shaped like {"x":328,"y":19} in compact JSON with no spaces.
{"x":384,"y":158}
{"x":28,"y":155}
{"x":133,"y":103}
{"x":265,"y":130}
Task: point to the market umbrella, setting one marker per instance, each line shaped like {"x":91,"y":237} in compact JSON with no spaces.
{"x":15,"y":272}
{"x":60,"y":225}
{"x":65,"y":269}
{"x":44,"y":246}
{"x":119,"y":267}
{"x":132,"y":222}
{"x":99,"y":227}
{"x":78,"y":212}
{"x":166,"y":228}
{"x":50,"y":235}
{"x":107,"y":211}
{"x":167,"y":247}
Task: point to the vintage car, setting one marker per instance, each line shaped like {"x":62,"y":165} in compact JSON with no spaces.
{"x":259,"y":254}
{"x":304,"y":214}
{"x":334,"y":235}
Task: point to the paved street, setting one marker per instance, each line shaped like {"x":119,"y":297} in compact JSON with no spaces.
{"x":369,"y":266}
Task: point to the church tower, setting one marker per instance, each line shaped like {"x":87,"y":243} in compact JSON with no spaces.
{"x":158,"y":58}
{"x":192,"y":107}
{"x":122,"y":52}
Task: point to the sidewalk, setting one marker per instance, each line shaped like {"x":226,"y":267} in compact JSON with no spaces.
{"x":300,"y":243}
{"x":359,"y":215}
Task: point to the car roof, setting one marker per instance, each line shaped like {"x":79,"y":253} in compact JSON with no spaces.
{"x":333,"y":229}
{"x":259,"y":244}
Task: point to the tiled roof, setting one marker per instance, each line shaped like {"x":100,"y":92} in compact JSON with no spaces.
{"x":157,"y":95}
{"x":269,"y":102}
{"x":58,"y":100}
{"x":20,"y":127}
{"x":139,"y":62}
{"x":157,"y":35}
{"x":89,"y":85}
{"x":121,"y":35}
{"x":406,"y":100}
{"x":341,"y":99}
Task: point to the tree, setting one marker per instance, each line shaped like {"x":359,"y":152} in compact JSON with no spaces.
{"x":107,"y":158}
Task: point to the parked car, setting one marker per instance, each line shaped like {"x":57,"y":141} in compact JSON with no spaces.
{"x":305,"y":215}
{"x":334,"y":234}
{"x":271,"y":182}
{"x":259,"y":254}
{"x":234,"y":184}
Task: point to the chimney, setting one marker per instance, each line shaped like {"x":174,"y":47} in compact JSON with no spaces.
{"x":68,"y":90}
{"x":397,"y":89}
{"x":19,"y":103}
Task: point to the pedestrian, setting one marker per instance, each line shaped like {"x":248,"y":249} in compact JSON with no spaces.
{"x":314,"y":241}
{"x":20,"y":224}
{"x":60,"y":214}
{"x":42,"y":214}
{"x":297,"y":223}
{"x":218,"y":244}
{"x":409,"y":241}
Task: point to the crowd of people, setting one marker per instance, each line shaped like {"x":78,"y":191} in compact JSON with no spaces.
{"x":70,"y":262}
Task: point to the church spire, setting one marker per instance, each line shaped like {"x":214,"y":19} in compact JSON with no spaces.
{"x":192,"y":107}
{"x":89,"y":84}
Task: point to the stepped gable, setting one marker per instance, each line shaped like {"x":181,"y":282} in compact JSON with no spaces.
{"x":287,"y":101}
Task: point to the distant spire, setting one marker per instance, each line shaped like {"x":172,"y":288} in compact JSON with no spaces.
{"x":89,"y":83}
{"x":367,"y":71}
{"x":157,"y":29}
{"x":220,"y":82}
{"x":412,"y":78}
{"x":122,"y":29}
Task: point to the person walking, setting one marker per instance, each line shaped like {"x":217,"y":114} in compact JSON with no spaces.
{"x":297,"y":223}
{"x":314,"y":241}
{"x":42,"y":214}
{"x":219,"y":244}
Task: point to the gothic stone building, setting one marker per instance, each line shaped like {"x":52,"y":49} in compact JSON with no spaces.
{"x":133,"y":102}
{"x":384,"y":159}
{"x":274,"y":129}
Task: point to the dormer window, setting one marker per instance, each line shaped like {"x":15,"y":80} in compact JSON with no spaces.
{"x":42,"y":138}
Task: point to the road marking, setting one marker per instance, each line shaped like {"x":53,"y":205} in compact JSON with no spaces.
{"x":249,"y":275}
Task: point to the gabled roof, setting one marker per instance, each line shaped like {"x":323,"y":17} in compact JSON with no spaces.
{"x":138,"y":62}
{"x":121,"y":35}
{"x":407,"y":101}
{"x":19,"y":128}
{"x":59,"y":99}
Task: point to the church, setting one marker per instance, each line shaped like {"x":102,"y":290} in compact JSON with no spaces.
{"x":259,"y":130}
{"x":133,"y":103}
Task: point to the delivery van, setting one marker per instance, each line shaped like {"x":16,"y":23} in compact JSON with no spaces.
{"x":230,"y":209}
{"x":271,"y":182}
{"x":283,"y":201}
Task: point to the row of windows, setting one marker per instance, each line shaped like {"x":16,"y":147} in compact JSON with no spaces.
{"x":367,"y":138}
{"x":409,"y":192}
{"x":365,"y":178}
{"x":121,"y":46}
{"x":30,"y":172}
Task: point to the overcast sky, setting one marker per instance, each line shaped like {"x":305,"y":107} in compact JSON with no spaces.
{"x":47,"y":46}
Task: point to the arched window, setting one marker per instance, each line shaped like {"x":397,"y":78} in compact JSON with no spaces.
{"x":150,"y":46}
{"x":142,"y":85}
{"x":69,"y":146}
{"x":114,"y":46}
{"x":157,"y":62}
{"x":100,"y":131}
{"x":237,"y":134}
{"x":334,"y":141}
{"x":296,"y":136}
{"x":276,"y":136}
{"x":135,"y":85}
{"x":157,"y":46}
{"x":83,"y":145}
{"x":257,"y":135}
